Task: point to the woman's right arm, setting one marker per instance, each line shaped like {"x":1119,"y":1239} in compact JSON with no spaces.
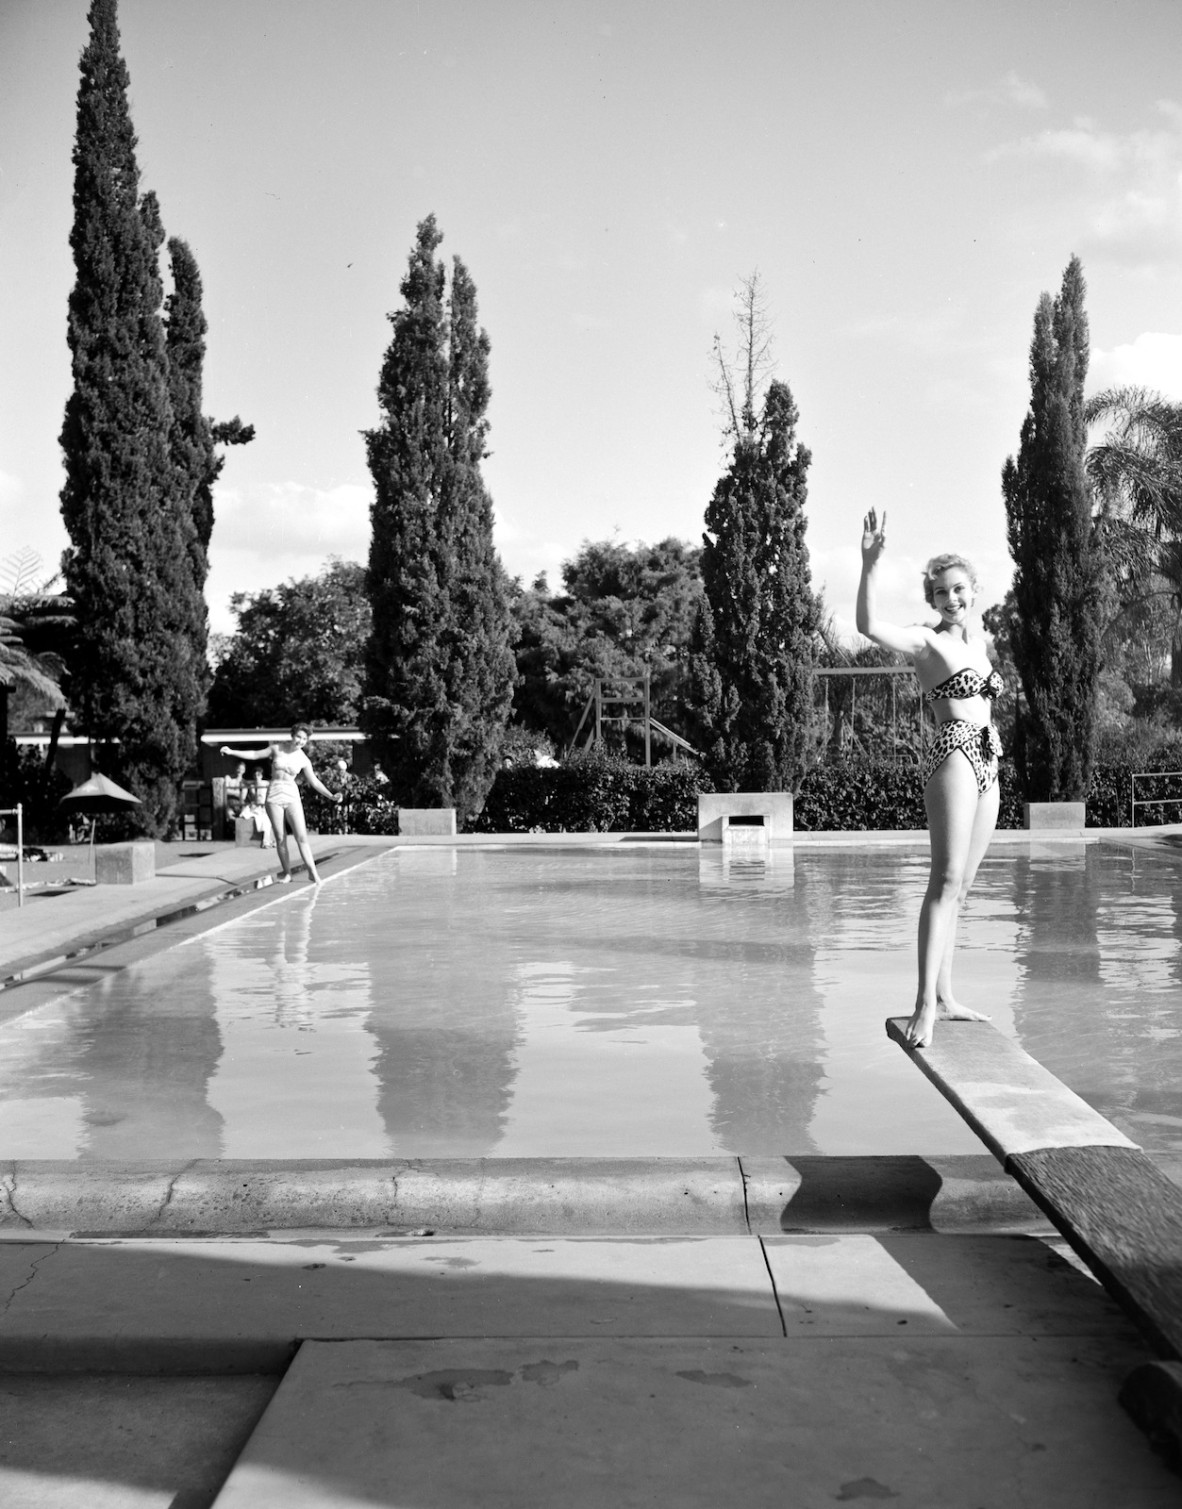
{"x":906,"y":639}
{"x":246,"y":754}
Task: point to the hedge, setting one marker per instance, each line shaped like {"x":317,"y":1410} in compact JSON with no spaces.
{"x":612,"y":795}
{"x":604,"y":794}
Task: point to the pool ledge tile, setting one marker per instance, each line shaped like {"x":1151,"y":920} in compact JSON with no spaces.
{"x":506,"y":1196}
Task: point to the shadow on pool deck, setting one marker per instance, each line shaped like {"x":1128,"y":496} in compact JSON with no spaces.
{"x":703,"y":1371}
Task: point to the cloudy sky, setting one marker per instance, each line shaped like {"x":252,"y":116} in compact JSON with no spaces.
{"x":905,"y":175}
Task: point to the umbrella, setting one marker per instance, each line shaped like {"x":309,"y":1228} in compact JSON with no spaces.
{"x":98,"y":794}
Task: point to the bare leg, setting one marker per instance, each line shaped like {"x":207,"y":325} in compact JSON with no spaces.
{"x":947,"y":1006}
{"x":277,"y":814}
{"x":295,"y":816}
{"x":950,"y":799}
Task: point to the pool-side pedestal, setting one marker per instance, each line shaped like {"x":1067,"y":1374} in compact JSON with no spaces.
{"x":425,"y":822}
{"x":1054,"y":814}
{"x":745,"y":819}
{"x":124,"y":864}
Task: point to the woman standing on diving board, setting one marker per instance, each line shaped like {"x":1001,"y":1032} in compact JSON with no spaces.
{"x":960,"y":792}
{"x":284,"y":807}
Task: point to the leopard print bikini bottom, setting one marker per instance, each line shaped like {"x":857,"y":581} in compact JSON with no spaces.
{"x":979,"y":744}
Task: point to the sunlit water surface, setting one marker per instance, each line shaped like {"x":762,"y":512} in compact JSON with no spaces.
{"x":627,"y":1002}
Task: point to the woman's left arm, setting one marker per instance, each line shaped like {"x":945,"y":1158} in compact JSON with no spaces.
{"x":318,"y":785}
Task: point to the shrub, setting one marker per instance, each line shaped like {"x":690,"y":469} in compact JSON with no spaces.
{"x":879,"y":796}
{"x":24,"y":779}
{"x":365,"y":809}
{"x":593,"y":794}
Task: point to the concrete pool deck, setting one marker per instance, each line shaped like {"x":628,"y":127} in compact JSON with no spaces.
{"x":576,"y":1332}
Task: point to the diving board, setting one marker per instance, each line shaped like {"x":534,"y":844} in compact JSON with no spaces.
{"x":1111,"y":1202}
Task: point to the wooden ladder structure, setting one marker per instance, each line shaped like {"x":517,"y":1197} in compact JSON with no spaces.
{"x":627,"y":692}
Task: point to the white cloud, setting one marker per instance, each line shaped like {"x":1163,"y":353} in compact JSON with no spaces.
{"x":271,"y":533}
{"x":1008,"y":90}
{"x":1153,"y":360}
{"x":1134,"y":182}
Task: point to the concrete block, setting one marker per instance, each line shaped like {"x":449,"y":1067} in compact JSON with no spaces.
{"x":124,"y":864}
{"x":745,"y":819}
{"x":1054,"y":814}
{"x":421,"y":822}
{"x":246,"y":833}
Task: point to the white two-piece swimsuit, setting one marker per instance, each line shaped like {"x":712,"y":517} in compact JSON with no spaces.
{"x":286,"y":765}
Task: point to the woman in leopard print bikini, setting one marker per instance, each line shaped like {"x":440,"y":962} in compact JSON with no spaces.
{"x":960,"y":794}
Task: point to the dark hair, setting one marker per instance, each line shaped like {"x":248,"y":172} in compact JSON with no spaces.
{"x":301,"y":728}
{"x":939,"y":563}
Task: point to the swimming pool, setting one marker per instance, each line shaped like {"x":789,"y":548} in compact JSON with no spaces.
{"x":625,"y":1001}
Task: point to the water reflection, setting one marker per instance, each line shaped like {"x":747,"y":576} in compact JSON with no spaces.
{"x":446,"y":1022}
{"x":1098,"y":999}
{"x":294,"y":1013}
{"x":129,"y":1063}
{"x":436,"y":1003}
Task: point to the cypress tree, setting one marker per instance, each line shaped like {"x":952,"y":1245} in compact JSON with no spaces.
{"x":135,"y":673}
{"x":1056,"y":624}
{"x":439,"y":667}
{"x":754,"y":641}
{"x":194,"y":437}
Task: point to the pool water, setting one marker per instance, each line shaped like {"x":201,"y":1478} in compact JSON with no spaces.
{"x":625,"y":1001}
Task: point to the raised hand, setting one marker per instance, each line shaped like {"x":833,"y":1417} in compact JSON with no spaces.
{"x":873,"y":537}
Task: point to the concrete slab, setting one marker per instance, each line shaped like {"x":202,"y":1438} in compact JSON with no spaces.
{"x":1012,"y":1103}
{"x":940,"y":1423}
{"x":971,"y":1285}
{"x":111,"y":1442}
{"x":242,"y":1305}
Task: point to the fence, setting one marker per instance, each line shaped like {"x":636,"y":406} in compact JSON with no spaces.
{"x":1157,"y":801}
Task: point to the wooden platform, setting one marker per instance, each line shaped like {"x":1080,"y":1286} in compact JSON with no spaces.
{"x":1111,"y":1202}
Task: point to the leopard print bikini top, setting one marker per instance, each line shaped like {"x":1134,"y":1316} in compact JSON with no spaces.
{"x":967,"y":683}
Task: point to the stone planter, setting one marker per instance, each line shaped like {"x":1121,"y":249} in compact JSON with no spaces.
{"x":124,"y":864}
{"x":1054,"y":814}
{"x":427,"y":822}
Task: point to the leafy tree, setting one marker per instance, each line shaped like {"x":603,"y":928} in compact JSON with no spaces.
{"x":298,"y":652}
{"x":623,"y":612}
{"x":1135,"y":473}
{"x":439,"y":668}
{"x":136,"y":672}
{"x":756,"y":635}
{"x":1055,"y":630}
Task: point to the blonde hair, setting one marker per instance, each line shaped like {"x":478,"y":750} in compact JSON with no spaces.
{"x":939,"y":563}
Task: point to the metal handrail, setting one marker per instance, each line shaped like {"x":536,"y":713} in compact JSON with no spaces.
{"x":20,"y":849}
{"x":1158,"y":801}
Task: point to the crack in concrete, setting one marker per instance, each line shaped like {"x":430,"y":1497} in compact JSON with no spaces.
{"x":169,"y":1192}
{"x":9,"y":1187}
{"x":33,"y":1266}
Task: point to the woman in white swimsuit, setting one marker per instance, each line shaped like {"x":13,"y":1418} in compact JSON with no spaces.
{"x":960,"y":791}
{"x":284,"y":807}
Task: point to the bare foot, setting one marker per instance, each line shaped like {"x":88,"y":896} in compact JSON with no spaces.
{"x":949,"y":1010}
{"x":918,"y":1032}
